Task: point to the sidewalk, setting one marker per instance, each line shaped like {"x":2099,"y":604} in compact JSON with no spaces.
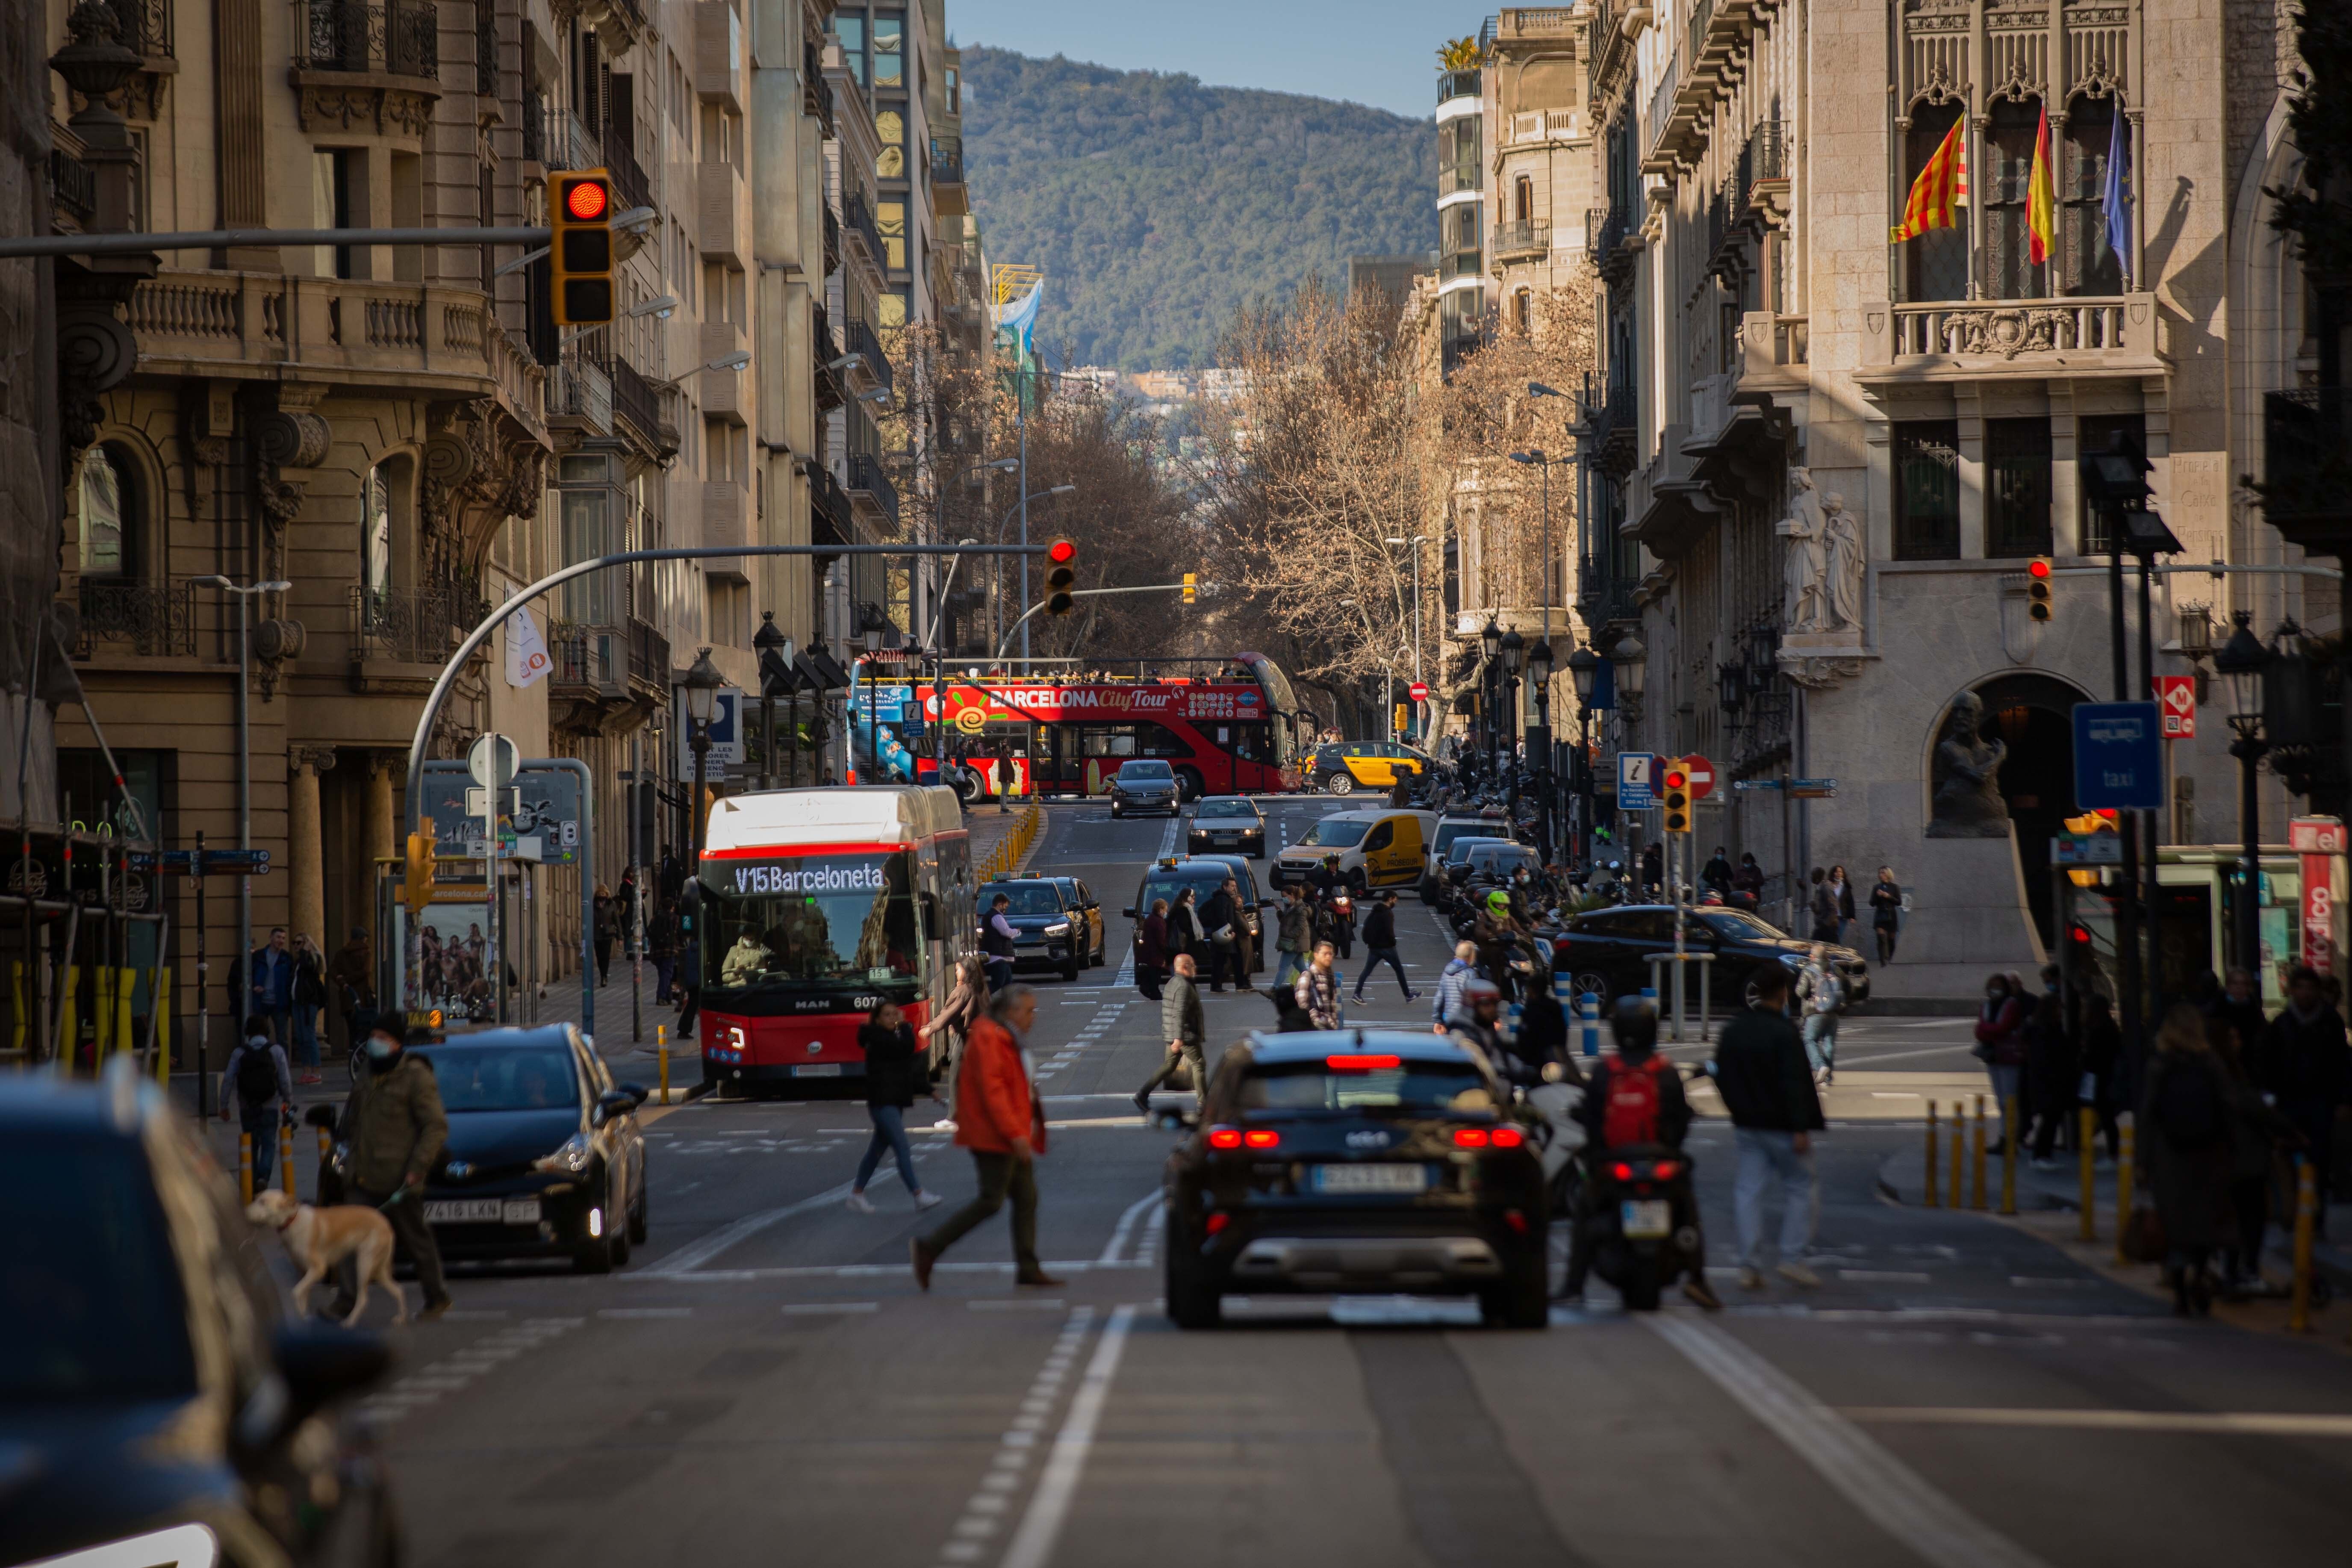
{"x":2049,"y":1205}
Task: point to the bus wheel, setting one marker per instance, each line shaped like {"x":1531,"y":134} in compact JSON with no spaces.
{"x":1188,"y":784}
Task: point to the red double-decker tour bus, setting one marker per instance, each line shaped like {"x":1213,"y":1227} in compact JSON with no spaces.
{"x":1229,"y":733}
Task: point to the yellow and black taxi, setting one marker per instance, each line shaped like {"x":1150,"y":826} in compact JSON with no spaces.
{"x":1343,"y":768}
{"x":545,"y":1158}
{"x":1226,"y":822}
{"x":1346,"y":1161}
{"x":158,"y":1403}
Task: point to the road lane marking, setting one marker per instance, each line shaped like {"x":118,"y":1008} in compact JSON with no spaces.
{"x":981,"y":1518}
{"x":695,"y":1253}
{"x":645,"y":1312}
{"x":1126,"y":1225}
{"x":873,"y":1271}
{"x":809,"y":1308}
{"x":1058,"y":1484}
{"x":1884,"y":1277}
{"x":1881,"y":1488}
{"x":1017,"y":1304}
{"x":2201,"y":1422}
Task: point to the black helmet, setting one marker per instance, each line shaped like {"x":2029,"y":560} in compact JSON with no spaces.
{"x":1634,"y":1026}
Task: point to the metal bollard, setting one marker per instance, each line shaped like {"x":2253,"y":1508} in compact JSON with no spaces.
{"x":160,"y":996}
{"x":286,"y":1158}
{"x":1933,"y":1198}
{"x":2009,"y":1153}
{"x":1977,"y":1161}
{"x":2123,"y":1190}
{"x":1959,"y":1151}
{"x":2306,"y":1211}
{"x":2087,"y":1134}
{"x":661,"y":1047}
{"x":245,"y":1166}
{"x":1588,"y":1007}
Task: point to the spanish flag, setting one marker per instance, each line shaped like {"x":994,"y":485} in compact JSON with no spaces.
{"x":1941,"y":188}
{"x":2041,"y":198}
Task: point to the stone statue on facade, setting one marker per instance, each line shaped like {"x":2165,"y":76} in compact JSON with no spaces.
{"x":1801,"y":574}
{"x":1845,"y":560}
{"x":1967,"y":774}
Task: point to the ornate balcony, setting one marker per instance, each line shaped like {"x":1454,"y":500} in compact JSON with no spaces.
{"x":145,"y":619}
{"x":398,"y":37}
{"x":401,"y":637}
{"x":638,"y":409}
{"x":2120,"y":335}
{"x":857,"y":338}
{"x":857,"y":226}
{"x":870,"y":488}
{"x":1521,"y":242}
{"x":831,"y":520}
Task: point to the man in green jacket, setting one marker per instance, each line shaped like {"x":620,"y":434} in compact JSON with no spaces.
{"x":394,"y":1128}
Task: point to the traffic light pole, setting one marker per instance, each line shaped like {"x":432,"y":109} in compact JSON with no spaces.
{"x":1088,"y":594}
{"x":2127,"y":902}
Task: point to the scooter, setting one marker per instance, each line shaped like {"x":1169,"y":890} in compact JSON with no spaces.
{"x":1637,"y":1242}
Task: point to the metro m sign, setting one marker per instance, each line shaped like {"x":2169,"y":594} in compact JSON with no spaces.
{"x":2176,"y":701}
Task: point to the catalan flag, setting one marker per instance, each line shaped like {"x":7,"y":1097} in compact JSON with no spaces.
{"x":2041,"y":198}
{"x":1941,"y":189}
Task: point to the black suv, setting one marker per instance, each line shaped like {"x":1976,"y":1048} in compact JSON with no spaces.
{"x":1351,"y":1160}
{"x":1608,"y":951}
{"x":1048,"y":932}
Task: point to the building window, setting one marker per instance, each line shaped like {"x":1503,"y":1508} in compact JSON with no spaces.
{"x":890,"y":163}
{"x":1523,"y":311}
{"x":1523,"y":200}
{"x":2090,"y":266}
{"x":375,"y":531}
{"x":890,"y":309}
{"x":1457,"y":155}
{"x":2010,"y":273}
{"x":1935,"y":264}
{"x":889,"y":59}
{"x":2097,"y":432}
{"x":2017,"y":488}
{"x":109,"y":515}
{"x":890,"y":222}
{"x":851,"y":30}
{"x":330,"y":206}
{"x":955,"y":91}
{"x":1928,"y":490}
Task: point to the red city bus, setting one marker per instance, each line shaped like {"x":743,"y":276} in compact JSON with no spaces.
{"x":816,"y":906}
{"x":1231,"y":734}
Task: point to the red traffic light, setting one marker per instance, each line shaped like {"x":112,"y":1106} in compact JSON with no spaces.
{"x":1061,"y":550}
{"x":2038,"y":568}
{"x":1677,"y":779}
{"x":586,"y":200}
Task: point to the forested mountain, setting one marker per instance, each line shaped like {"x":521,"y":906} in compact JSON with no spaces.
{"x":1156,"y":205}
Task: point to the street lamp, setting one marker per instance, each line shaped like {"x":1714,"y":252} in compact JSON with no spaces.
{"x":244,"y":749}
{"x":2241,"y":662}
{"x":1535,"y":457}
{"x":1538,"y":668}
{"x":702,"y":682}
{"x":774,"y":649}
{"x":1584,"y":669}
{"x":1629,"y":655}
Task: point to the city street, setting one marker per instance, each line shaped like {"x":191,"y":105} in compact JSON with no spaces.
{"x":764,"y":1378}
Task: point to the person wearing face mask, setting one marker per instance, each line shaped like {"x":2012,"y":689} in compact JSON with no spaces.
{"x":395,"y":1128}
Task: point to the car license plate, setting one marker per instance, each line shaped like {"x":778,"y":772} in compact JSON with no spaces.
{"x":521,"y":1211}
{"x":1644,"y":1219}
{"x":1372,"y":1178}
{"x":818,"y":1070}
{"x":465,"y":1211}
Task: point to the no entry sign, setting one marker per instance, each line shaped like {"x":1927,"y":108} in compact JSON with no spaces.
{"x":1702,"y":776}
{"x":1418,"y":691}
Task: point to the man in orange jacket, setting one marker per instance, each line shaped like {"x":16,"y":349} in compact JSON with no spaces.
{"x":999,"y":1120}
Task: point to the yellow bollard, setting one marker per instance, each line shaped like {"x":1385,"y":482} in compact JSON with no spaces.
{"x":245,"y":1165}
{"x":2123,"y":1190}
{"x":101,"y":1015}
{"x":2306,"y":1208}
{"x":2009,"y":1153}
{"x":72,"y":1035}
{"x":325,"y":1144}
{"x":126,"y":984}
{"x":1977,"y":1161}
{"x":1933,"y":1197}
{"x":661,"y":1045}
{"x":160,"y":996}
{"x":2087,"y":1121}
{"x":1959,"y":1151}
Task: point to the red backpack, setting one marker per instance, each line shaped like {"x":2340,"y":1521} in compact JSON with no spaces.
{"x":1631,"y":1112}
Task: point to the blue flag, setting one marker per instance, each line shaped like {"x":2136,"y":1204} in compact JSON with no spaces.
{"x":2117,"y":195}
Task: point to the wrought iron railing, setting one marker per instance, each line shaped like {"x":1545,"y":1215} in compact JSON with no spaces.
{"x":588,"y":655}
{"x":629,"y":181}
{"x":1451,"y":84}
{"x":412,"y":625}
{"x":859,"y":339}
{"x":828,"y":503}
{"x":1761,"y":158}
{"x":946,"y":160}
{"x":832,"y":241}
{"x":648,"y":654}
{"x":634,"y":400}
{"x":74,"y":184}
{"x":1522,"y":236}
{"x":855,"y":218}
{"x":865,"y":474}
{"x":399,"y":37}
{"x":157,"y":618}
{"x":146,"y":28}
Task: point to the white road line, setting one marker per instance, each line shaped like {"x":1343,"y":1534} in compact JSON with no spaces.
{"x":980,"y":1516}
{"x":2203,"y":1423}
{"x":695,"y":1253}
{"x":810,"y":1309}
{"x":1125,"y":1226}
{"x":868,"y":1271}
{"x":1881,"y":1488}
{"x":1057,"y":1486}
{"x":645,"y":1312}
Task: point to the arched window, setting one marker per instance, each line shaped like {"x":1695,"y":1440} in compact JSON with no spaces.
{"x":108,"y":499}
{"x":375,"y":531}
{"x":1935,"y":264}
{"x":2010,"y":272}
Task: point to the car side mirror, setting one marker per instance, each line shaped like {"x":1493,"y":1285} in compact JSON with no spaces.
{"x":638,"y":1094}
{"x":1128,"y":914}
{"x":620,"y":1102}
{"x":320,"y":1116}
{"x":322,"y":1363}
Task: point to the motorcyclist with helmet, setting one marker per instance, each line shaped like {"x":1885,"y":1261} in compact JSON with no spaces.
{"x":1635,"y":1103}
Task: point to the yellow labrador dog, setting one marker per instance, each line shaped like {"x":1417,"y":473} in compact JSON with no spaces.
{"x":317,"y":1240}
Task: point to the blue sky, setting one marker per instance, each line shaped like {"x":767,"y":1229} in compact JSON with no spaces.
{"x":1379,"y":52}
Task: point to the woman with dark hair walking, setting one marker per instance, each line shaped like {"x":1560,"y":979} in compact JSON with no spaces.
{"x":2185,"y":1156}
{"x":894,"y":1075}
{"x":1151,"y":960}
{"x":954,"y":1020}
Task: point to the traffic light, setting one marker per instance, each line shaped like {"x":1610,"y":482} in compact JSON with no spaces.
{"x":2037,"y":588}
{"x":1191,"y":586}
{"x":579,"y":254}
{"x":1062,"y":578}
{"x":1677,"y":796}
{"x":1402,"y":721}
{"x":417,"y":888}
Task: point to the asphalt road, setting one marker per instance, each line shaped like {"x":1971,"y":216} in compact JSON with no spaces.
{"x":765,"y":1384}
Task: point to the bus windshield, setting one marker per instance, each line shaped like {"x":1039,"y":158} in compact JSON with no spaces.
{"x":843,"y":918}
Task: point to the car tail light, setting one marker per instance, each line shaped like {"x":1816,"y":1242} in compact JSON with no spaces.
{"x":1225,"y":1137}
{"x":1217,"y":1222}
{"x":1621,"y":1170}
{"x":1470,"y":1137}
{"x":1261,"y":1140}
{"x":1516,"y":1220}
{"x":1508,"y":1138}
{"x":1666,"y":1170}
{"x":1360,"y":1063}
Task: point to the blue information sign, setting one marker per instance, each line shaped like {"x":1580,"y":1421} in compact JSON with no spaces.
{"x":1634,"y":771}
{"x":2118,"y":756}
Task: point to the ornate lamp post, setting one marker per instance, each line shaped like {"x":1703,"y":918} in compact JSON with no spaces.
{"x":1515,"y":658}
{"x":1583,"y":665}
{"x":1540,"y":739}
{"x":1490,"y":643}
{"x":2241,"y":662}
{"x":702,"y":683}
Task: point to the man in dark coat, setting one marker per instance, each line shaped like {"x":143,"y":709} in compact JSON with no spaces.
{"x":2305,"y":1065}
{"x":1767,"y":1085}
